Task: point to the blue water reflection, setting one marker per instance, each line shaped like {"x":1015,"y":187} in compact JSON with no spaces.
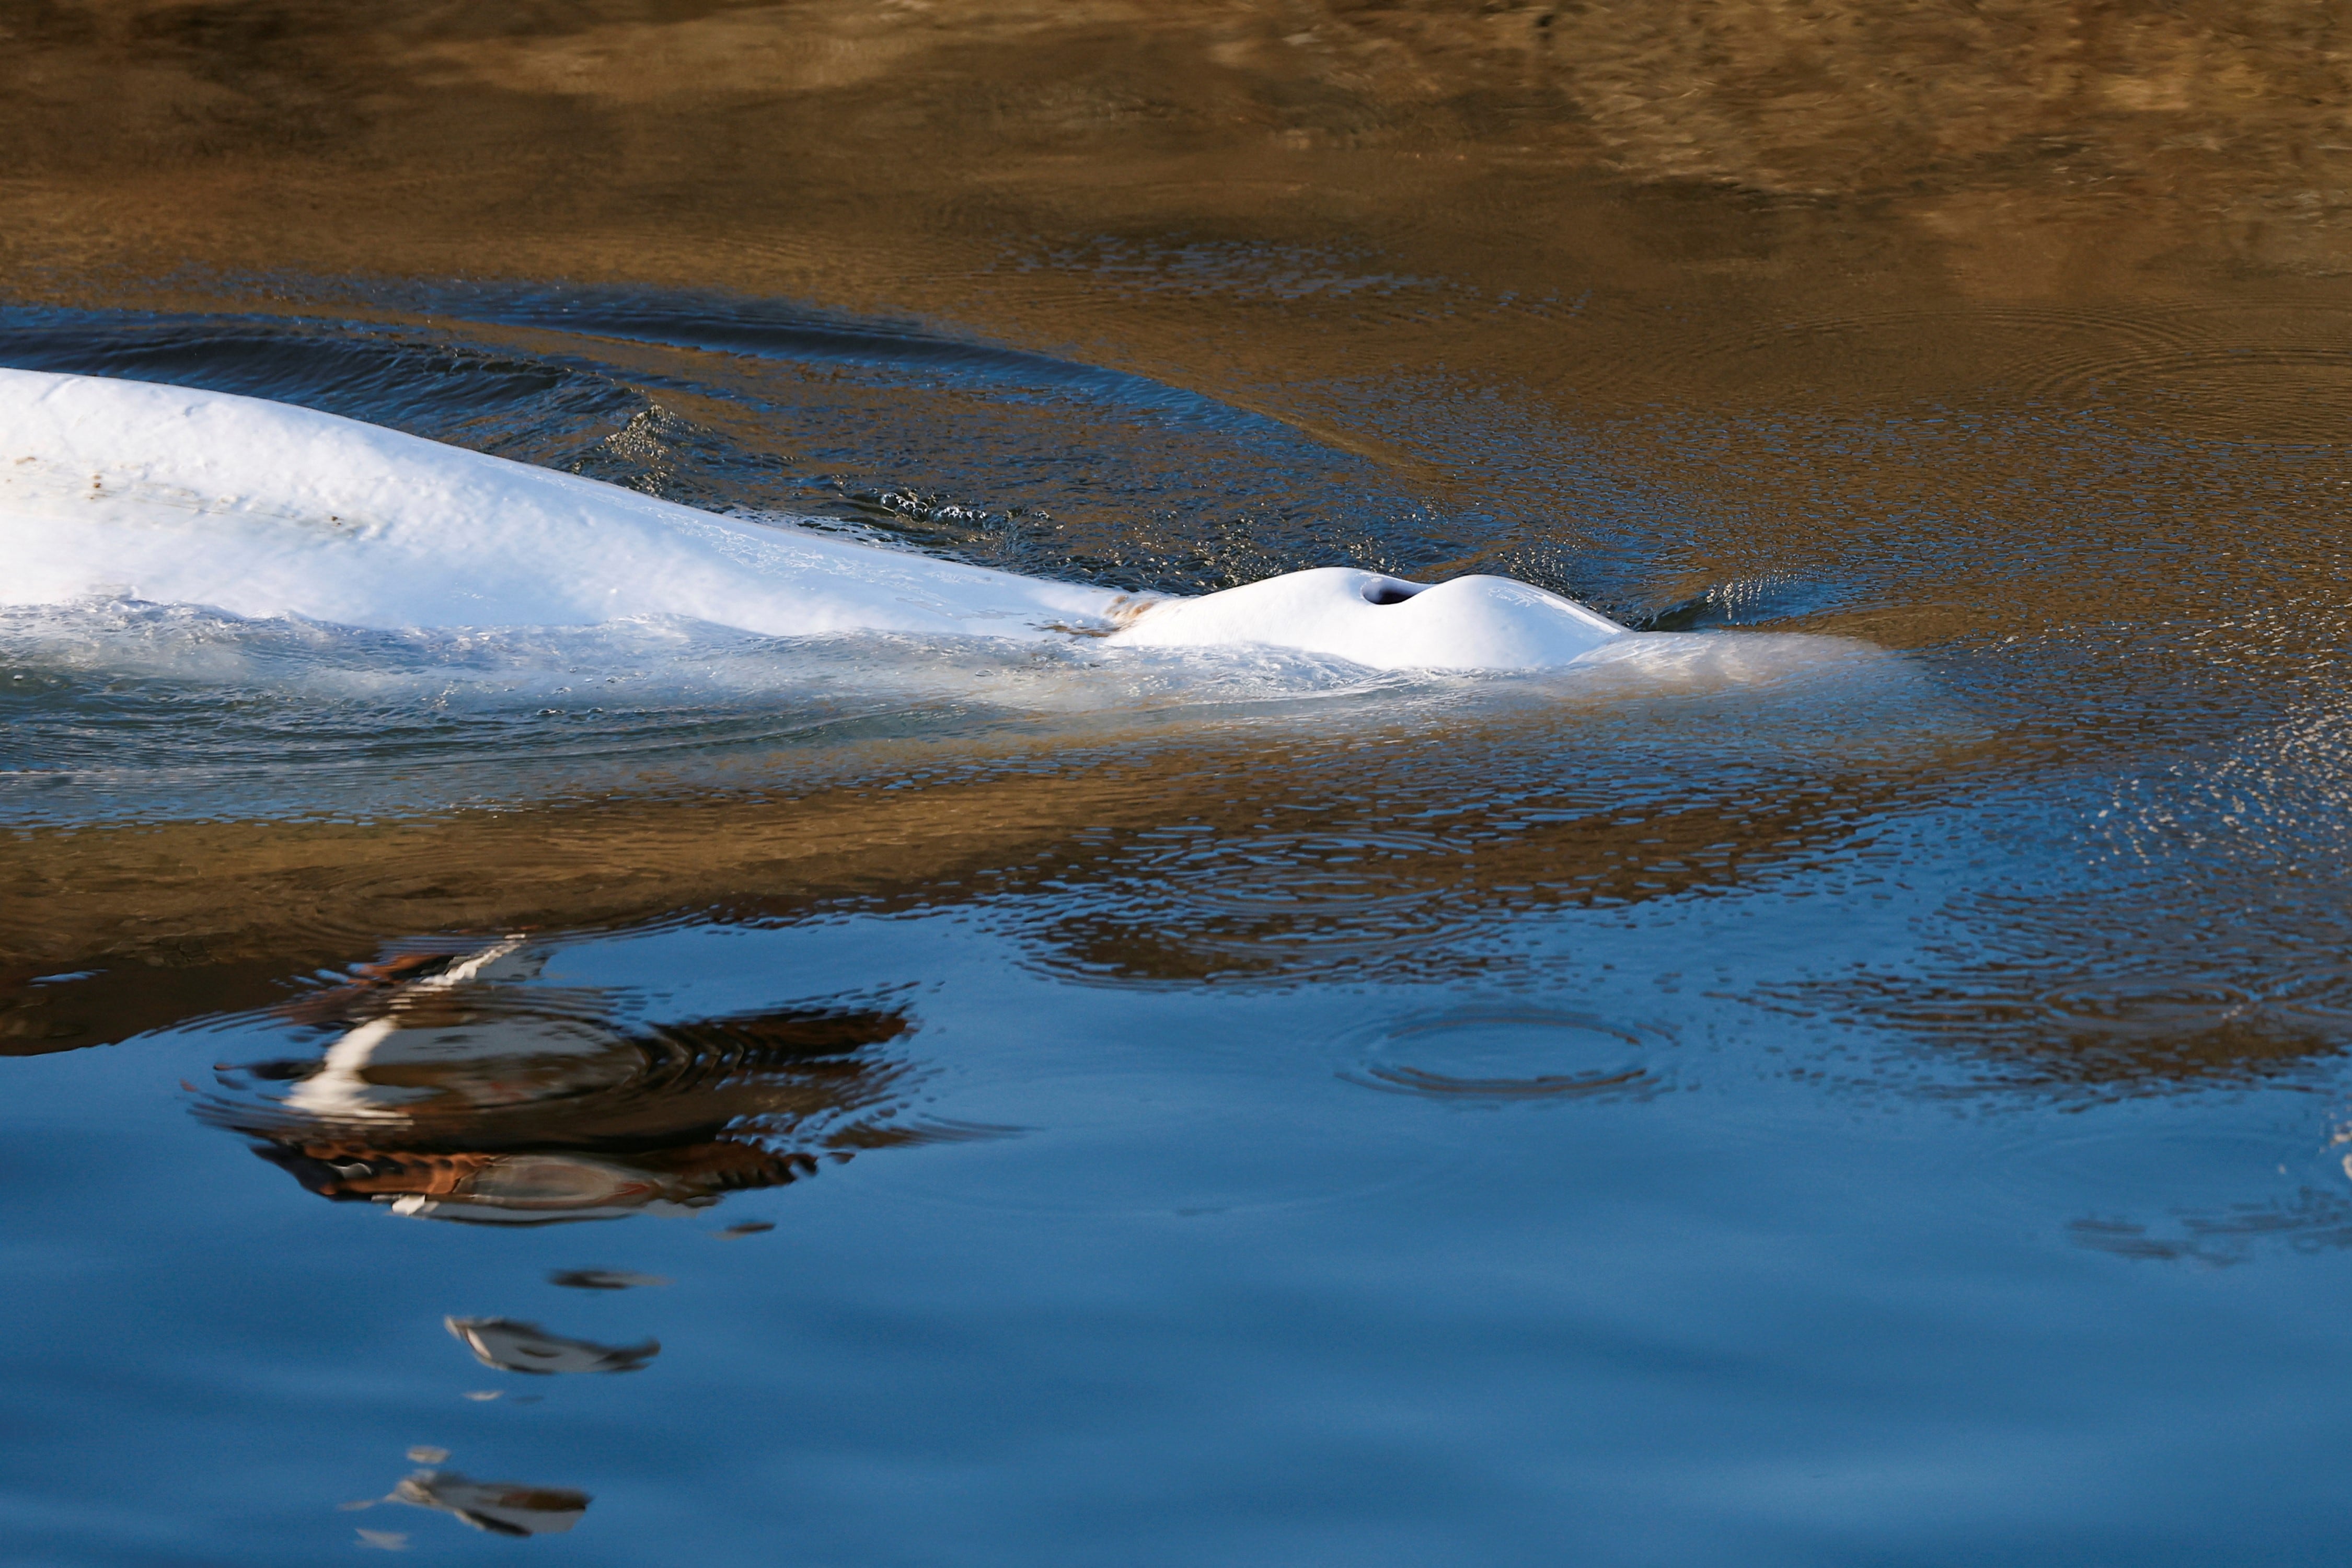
{"x":1201,"y":1290}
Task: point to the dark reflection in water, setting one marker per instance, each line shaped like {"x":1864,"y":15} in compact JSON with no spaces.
{"x":2311,"y":1221}
{"x":512,"y":1346}
{"x":495,"y":1508}
{"x":451,"y":1088}
{"x":603,"y":1278}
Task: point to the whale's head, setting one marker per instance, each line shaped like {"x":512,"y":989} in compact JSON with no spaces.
{"x":1386,"y":623}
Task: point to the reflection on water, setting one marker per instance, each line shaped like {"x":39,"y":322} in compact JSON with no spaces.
{"x":603,"y":1278}
{"x":453,"y":1089}
{"x":496,"y":1508}
{"x":513,"y":1346}
{"x":2309,"y":1222}
{"x":1368,"y":849}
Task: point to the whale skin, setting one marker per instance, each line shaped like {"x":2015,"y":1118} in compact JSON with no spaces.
{"x":115,"y":488}
{"x":1467,"y":623}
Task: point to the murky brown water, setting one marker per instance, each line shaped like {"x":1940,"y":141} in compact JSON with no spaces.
{"x":2016,"y":339}
{"x":1972,"y":324}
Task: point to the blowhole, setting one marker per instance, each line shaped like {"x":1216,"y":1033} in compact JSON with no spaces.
{"x":1388,"y":590}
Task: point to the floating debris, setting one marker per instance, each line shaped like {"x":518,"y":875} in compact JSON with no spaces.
{"x":749,"y":1228}
{"x":426,"y":1454}
{"x":386,"y":1540}
{"x":514,"y":1346}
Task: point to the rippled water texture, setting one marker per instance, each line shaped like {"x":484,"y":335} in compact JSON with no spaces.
{"x":1863,"y":1085}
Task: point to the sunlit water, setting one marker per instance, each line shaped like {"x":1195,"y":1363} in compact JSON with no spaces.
{"x":1864,"y":1086}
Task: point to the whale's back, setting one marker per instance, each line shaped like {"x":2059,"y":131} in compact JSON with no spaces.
{"x":121,"y":488}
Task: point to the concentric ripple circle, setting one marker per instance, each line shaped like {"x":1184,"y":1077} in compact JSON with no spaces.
{"x":1504,"y":1055}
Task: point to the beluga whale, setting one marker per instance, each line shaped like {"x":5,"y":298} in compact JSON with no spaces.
{"x":121,"y":489}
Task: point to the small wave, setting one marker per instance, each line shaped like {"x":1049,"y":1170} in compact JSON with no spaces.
{"x":1506,"y":1056}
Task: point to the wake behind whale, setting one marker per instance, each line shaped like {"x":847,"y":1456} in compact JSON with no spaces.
{"x":266,"y":511}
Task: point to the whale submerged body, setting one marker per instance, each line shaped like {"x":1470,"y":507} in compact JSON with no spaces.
{"x":263,"y":510}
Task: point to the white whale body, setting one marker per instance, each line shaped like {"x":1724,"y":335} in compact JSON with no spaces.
{"x":1469,"y":622}
{"x":263,"y":510}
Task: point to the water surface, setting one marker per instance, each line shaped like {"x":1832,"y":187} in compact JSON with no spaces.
{"x":648,"y":1093}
